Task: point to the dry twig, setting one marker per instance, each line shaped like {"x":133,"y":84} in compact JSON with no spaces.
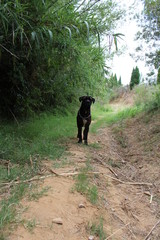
{"x":67,"y":175}
{"x":106,"y":165}
{"x":129,"y":183}
{"x":6,"y":184}
{"x":152,"y":229}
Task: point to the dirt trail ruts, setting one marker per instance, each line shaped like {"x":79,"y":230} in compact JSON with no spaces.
{"x":128,"y":210}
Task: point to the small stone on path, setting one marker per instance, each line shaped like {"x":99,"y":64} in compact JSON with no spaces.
{"x":91,"y":238}
{"x":58,"y":221}
{"x":81,"y":205}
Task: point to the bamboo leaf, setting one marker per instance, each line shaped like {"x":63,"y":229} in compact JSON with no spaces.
{"x":87,"y":25}
{"x":115,"y":42}
{"x":69,"y":30}
{"x":118,"y":35}
{"x":76,"y":28}
{"x":33,"y":34}
{"x":21,"y":38}
{"x":99,"y":39}
{"x":50,"y":35}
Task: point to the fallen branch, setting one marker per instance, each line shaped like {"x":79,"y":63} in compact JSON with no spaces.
{"x":43,"y":177}
{"x":152,"y":229}
{"x":70,"y":174}
{"x":151,"y":198}
{"x":129,"y":183}
{"x":106,"y":165}
{"x":77,"y":173}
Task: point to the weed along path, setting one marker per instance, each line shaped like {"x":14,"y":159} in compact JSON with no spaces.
{"x":106,"y":190}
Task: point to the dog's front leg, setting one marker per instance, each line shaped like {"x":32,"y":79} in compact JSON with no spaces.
{"x":80,"y":134}
{"x":85,"y":134}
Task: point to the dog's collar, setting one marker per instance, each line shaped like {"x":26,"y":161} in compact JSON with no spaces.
{"x":83,"y":117}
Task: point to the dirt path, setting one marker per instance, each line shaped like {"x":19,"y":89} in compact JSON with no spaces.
{"x":129,"y":211}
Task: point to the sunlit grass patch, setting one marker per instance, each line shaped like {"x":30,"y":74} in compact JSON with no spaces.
{"x":107,"y":118}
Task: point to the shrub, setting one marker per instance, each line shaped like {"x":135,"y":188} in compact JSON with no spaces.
{"x":148,"y":97}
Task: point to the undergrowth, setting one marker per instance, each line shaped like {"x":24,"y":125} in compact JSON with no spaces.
{"x":148,"y":97}
{"x":42,"y":135}
{"x":106,"y":118}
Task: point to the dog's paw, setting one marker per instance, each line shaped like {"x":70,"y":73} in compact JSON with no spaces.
{"x":80,"y":141}
{"x":85,"y":142}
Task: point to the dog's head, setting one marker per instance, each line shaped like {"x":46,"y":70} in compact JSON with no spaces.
{"x":86,"y":101}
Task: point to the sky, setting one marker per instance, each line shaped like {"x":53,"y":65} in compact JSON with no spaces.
{"x":123,"y":64}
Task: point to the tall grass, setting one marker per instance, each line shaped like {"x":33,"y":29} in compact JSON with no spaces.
{"x":40,"y":136}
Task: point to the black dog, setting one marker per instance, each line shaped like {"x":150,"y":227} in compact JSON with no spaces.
{"x":84,"y":117}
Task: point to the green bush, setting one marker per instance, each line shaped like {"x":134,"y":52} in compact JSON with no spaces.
{"x":148,"y":97}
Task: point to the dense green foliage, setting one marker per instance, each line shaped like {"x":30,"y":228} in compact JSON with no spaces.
{"x":50,"y":52}
{"x":112,"y":81}
{"x":150,"y":32}
{"x":158,"y":76}
{"x":135,"y":77}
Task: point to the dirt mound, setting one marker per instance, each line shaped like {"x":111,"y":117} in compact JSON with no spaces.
{"x":126,"y":163}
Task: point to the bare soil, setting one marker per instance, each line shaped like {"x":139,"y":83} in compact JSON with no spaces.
{"x":127,"y":158}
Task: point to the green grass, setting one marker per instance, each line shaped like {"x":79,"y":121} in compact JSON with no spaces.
{"x":84,"y":186}
{"x":42,"y":135}
{"x":8,"y":206}
{"x":96,"y":229}
{"x":30,"y":225}
{"x":107,"y":118}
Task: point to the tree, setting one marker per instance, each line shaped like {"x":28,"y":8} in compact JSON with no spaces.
{"x":112,"y":81}
{"x":158,"y":76}
{"x":50,"y":51}
{"x":120,"y":81}
{"x":135,"y":77}
{"x":149,"y":35}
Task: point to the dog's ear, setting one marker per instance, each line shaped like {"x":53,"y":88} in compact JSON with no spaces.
{"x":81,"y":98}
{"x":93,"y":100}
